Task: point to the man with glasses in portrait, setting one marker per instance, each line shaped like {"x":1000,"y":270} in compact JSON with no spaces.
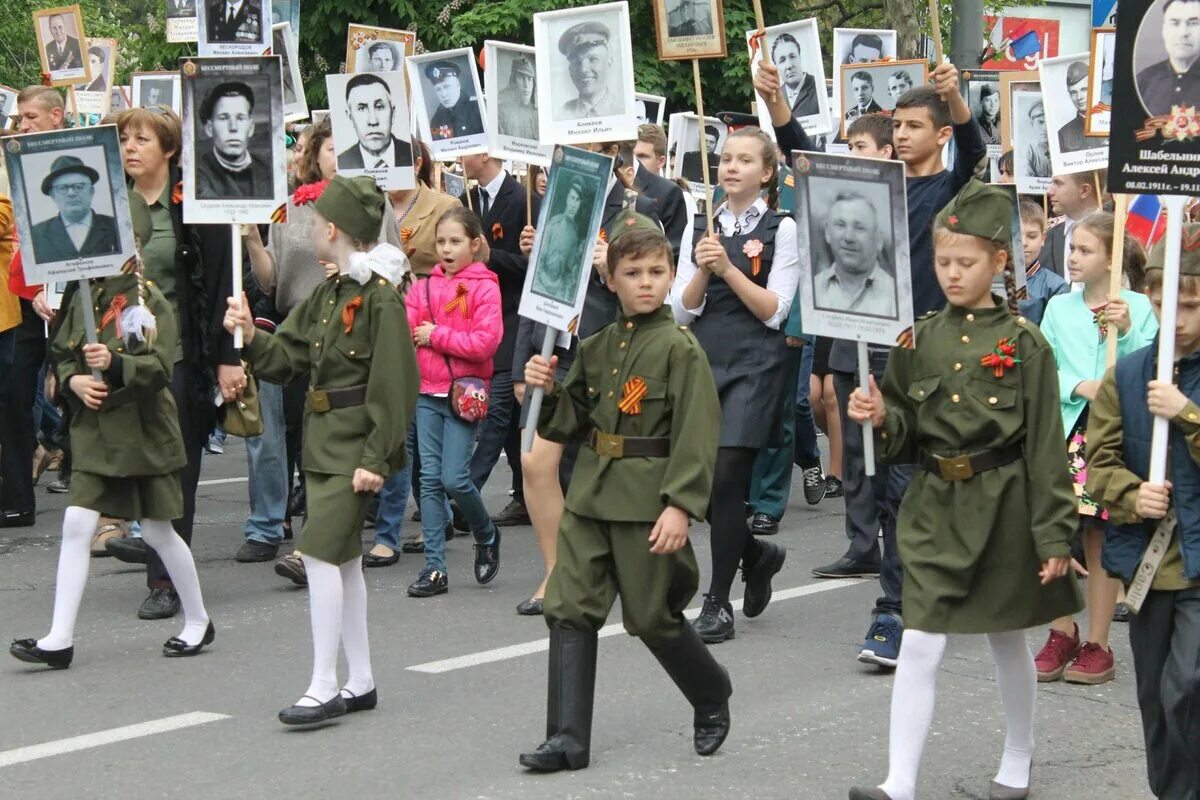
{"x":76,"y":231}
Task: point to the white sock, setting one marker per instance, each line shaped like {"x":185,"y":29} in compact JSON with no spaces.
{"x":354,"y":630}
{"x":181,"y":568}
{"x":325,"y":611}
{"x":79,"y":526}
{"x":1016,"y":679}
{"x":912,"y":710}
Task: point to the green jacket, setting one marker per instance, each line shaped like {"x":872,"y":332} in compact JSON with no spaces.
{"x":136,"y":431}
{"x":680,"y":403}
{"x":376,"y":352}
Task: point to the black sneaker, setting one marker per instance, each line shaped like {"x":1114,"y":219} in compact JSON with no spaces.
{"x":1121,"y":613}
{"x":161,"y":604}
{"x":815,"y":485}
{"x":758,"y":578}
{"x":487,"y":559}
{"x":254,"y":551}
{"x":130,"y":549}
{"x":60,"y":486}
{"x":514,"y":513}
{"x":764,"y":525}
{"x":429,"y":583}
{"x":833,"y":486}
{"x":715,"y":623}
{"x":846,"y":567}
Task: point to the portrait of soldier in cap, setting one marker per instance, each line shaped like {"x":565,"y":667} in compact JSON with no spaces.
{"x":76,"y":230}
{"x":455,"y":113}
{"x":692,"y":168}
{"x":689,"y":18}
{"x":588,"y":48}
{"x":517,"y":110}
{"x":229,"y":169}
{"x":1173,"y":76}
{"x":372,"y":113}
{"x":560,"y":260}
{"x":1071,"y":137}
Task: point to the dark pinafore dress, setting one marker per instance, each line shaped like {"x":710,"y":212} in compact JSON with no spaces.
{"x":748,"y":359}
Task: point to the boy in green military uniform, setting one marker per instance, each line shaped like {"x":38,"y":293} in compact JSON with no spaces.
{"x":1153,"y":541}
{"x":642,"y":398}
{"x":351,"y":337}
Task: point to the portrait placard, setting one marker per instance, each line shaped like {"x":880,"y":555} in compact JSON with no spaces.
{"x":1025,"y":83}
{"x":1104,"y":50}
{"x":157,"y":89}
{"x":983,"y":96}
{"x":863,"y":46}
{"x":875,"y":88}
{"x":120,"y":98}
{"x":93,"y":97}
{"x":372,"y":49}
{"x":567,"y":229}
{"x":229,"y":28}
{"x":1031,"y":144}
{"x":369,"y":114}
{"x":233,"y":160}
{"x":689,"y":29}
{"x":181,"y":21}
{"x":687,"y":134}
{"x":1155,"y":140}
{"x":795,"y":48}
{"x":585,"y":74}
{"x":60,"y":36}
{"x":448,"y":102}
{"x":852,"y":232}
{"x":510,"y":77}
{"x":70,"y":202}
{"x":649,"y":108}
{"x":8,"y":107}
{"x":287,"y":11}
{"x":283,"y":44}
{"x":453,"y":184}
{"x":1065,"y":91}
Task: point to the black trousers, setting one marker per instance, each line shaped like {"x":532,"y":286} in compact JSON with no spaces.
{"x":500,"y":431}
{"x":25,"y":348}
{"x":293,"y":421}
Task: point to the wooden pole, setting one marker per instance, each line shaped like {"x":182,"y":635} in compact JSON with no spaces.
{"x":1166,"y":324}
{"x":760,"y":34}
{"x":703,"y":148}
{"x":1099,"y":191}
{"x":1117,"y":265}
{"x":935,"y":24}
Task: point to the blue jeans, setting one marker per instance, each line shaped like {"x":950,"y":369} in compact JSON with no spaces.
{"x":499,"y":431}
{"x":267,"y":458}
{"x":46,"y":417}
{"x":446,"y":444}
{"x":393,"y":501}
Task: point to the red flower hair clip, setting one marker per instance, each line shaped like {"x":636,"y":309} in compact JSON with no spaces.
{"x":309,"y":193}
{"x":1003,"y":357}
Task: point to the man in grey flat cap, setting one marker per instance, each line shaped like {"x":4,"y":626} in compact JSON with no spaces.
{"x":587,"y":47}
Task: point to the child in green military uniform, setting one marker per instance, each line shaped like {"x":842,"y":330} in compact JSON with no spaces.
{"x":351,"y":337}
{"x":127,"y":451}
{"x":642,"y":398}
{"x":1165,"y":632}
{"x":984,"y":531}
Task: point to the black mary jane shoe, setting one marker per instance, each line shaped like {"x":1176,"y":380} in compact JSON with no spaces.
{"x":372,"y":560}
{"x":487,"y":559}
{"x":361,"y":702}
{"x":27,"y":650}
{"x":178,"y":648}
{"x":549,"y":757}
{"x":313,"y":715}
{"x":533,"y":607}
{"x":710,"y":727}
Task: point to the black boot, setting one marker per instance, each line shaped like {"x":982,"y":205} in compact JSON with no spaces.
{"x":569,"y":703}
{"x":704,"y":683}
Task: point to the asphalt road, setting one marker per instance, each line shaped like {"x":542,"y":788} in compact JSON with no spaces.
{"x":462,"y":689}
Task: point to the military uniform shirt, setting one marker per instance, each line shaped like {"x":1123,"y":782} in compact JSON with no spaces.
{"x":460,"y":120}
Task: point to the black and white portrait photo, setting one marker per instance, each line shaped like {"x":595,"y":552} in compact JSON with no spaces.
{"x":1065,"y":91}
{"x":234,"y":27}
{"x":372,"y":49}
{"x":60,"y":44}
{"x":8,"y":106}
{"x":233,"y":139}
{"x":1100,"y":88}
{"x":369,"y":114}
{"x":585,"y":77}
{"x":853,"y":245}
{"x":860,"y":46}
{"x":283,"y":44}
{"x":101,"y":61}
{"x":688,"y":136}
{"x":177,"y":9}
{"x":120,"y":98}
{"x":181,"y":20}
{"x":447,"y":93}
{"x":510,"y":80}
{"x":875,"y":88}
{"x":689,"y":29}
{"x":795,"y":49}
{"x":983,"y":96}
{"x":70,"y":201}
{"x":649,"y":108}
{"x":157,"y":89}
{"x":1165,"y":55}
{"x":1031,"y":140}
{"x":287,"y":11}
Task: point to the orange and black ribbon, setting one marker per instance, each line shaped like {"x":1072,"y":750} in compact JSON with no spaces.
{"x":406,"y":234}
{"x":113,"y":315}
{"x":631,"y":399}
{"x":349,"y":312}
{"x":459,"y":301}
{"x":604,"y":235}
{"x":497,"y":231}
{"x":1003,"y":357}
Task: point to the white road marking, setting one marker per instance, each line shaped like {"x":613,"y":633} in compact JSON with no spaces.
{"x":541,"y":645}
{"x":89,"y":740}
{"x":218,"y":481}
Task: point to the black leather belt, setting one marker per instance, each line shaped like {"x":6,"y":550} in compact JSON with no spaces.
{"x":321,"y":401}
{"x":966,"y":466}
{"x":612,"y":445}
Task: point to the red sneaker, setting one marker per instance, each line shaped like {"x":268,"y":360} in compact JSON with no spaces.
{"x":1055,"y":655}
{"x":1093,"y":665}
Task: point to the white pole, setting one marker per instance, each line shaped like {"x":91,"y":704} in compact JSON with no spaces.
{"x":236,"y":231}
{"x":868,"y":431}
{"x":535,"y":399}
{"x":1166,"y":327}
{"x":89,"y":318}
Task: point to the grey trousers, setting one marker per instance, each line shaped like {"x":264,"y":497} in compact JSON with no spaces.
{"x":1165,"y":637}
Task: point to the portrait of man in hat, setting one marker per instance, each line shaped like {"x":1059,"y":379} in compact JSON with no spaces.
{"x":76,"y":231}
{"x":234,"y":21}
{"x":372,"y":114}
{"x":855,"y":279}
{"x":453,"y":112}
{"x":693,"y":169}
{"x":588,"y":47}
{"x":517,"y":110}
{"x":229,"y":169}
{"x":381,"y":57}
{"x":62,"y":51}
{"x":1071,"y":137}
{"x":1174,"y":80}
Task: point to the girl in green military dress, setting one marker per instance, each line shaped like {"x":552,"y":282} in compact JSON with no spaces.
{"x":351,"y":336}
{"x":127,"y":452}
{"x":984,"y":532}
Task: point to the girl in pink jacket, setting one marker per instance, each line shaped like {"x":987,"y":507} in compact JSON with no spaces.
{"x":456,"y":323}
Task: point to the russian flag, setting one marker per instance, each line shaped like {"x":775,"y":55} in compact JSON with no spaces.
{"x":1145,"y":222}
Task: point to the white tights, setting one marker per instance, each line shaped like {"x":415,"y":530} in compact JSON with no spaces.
{"x":74,"y":556}
{"x":912,"y":707}
{"x":337,"y":599}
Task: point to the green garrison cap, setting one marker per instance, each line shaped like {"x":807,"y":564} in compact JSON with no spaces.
{"x":628,"y":221}
{"x":353,"y":204}
{"x":980,"y":210}
{"x":1189,"y":251}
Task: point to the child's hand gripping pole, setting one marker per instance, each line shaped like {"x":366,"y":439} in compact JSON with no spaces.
{"x":535,"y":397}
{"x":89,"y":319}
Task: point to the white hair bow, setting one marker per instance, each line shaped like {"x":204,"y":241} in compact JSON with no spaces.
{"x":385,"y":259}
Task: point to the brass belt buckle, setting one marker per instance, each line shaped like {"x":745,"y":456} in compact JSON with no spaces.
{"x":610,"y":445}
{"x":318,"y":401}
{"x":957,"y":468}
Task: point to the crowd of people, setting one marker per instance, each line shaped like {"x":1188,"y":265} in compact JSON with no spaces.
{"x":381,"y":331}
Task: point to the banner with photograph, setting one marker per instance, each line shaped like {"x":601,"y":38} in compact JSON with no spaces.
{"x":875,"y":88}
{"x":862,"y":46}
{"x":373,"y":49}
{"x":510,"y":78}
{"x":585,"y":74}
{"x":1104,"y":52}
{"x":61,"y":181}
{"x":689,"y":29}
{"x":795,"y":48}
{"x":283,"y":44}
{"x":181,"y":21}
{"x":983,"y":96}
{"x":94,"y":97}
{"x":156,"y":89}
{"x":60,"y":35}
{"x":1032,"y":168}
{"x":448,"y":102}
{"x":369,"y":115}
{"x":649,"y":108}
{"x":244,"y":32}
{"x":234,"y":169}
{"x":567,"y":230}
{"x":1065,"y":91}
{"x":852,"y":231}
{"x":684,"y":143}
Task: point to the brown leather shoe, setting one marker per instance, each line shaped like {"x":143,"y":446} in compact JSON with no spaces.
{"x":109,"y":528}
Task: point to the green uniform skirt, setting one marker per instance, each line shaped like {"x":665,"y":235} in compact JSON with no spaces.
{"x":333,"y":529}
{"x":138,"y":497}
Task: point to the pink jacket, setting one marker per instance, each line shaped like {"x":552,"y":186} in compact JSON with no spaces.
{"x":466,"y":311}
